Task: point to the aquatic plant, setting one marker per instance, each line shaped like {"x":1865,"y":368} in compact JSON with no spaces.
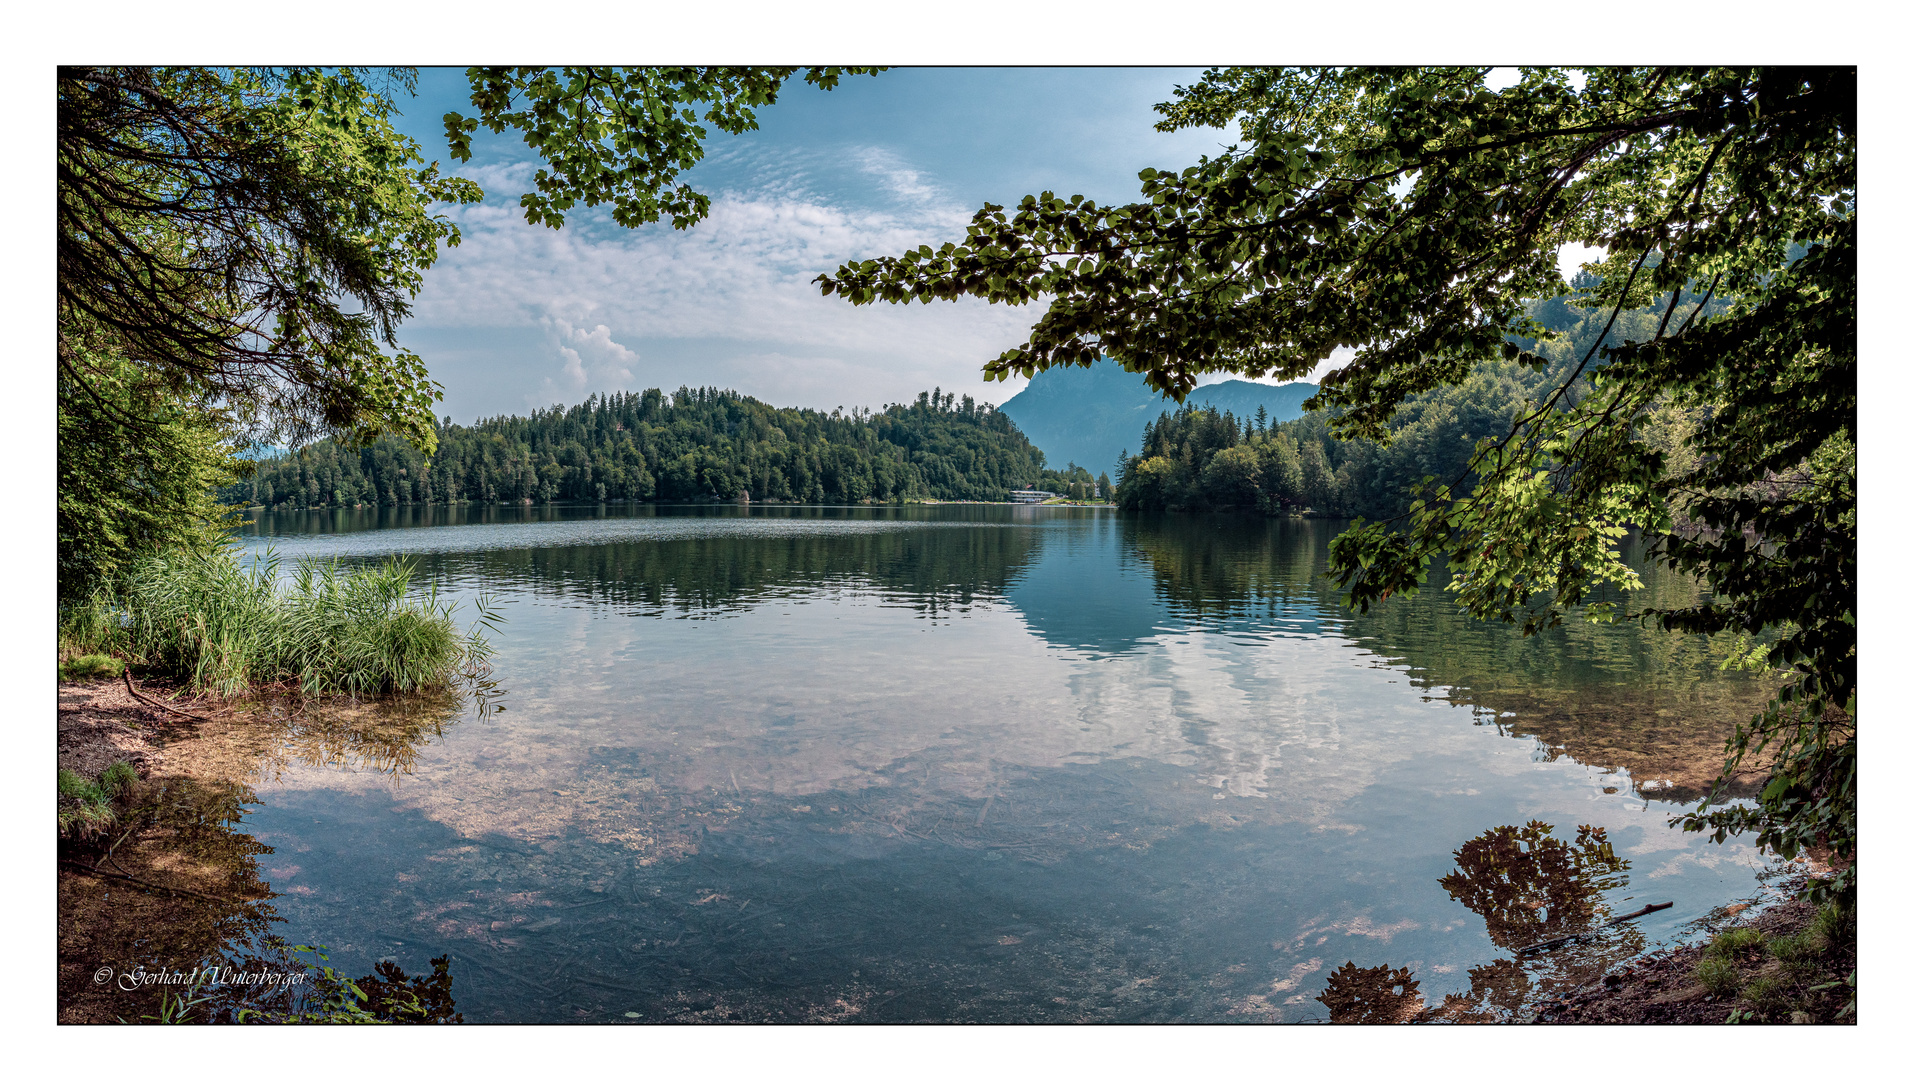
{"x":387,"y":996}
{"x":177,"y":1008}
{"x":225,"y":629}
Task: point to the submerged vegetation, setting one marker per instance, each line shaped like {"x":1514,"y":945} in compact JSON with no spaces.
{"x":223,"y":629}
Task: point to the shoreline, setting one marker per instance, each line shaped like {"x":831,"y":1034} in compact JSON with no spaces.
{"x":1684,"y":984}
{"x":624,"y":502}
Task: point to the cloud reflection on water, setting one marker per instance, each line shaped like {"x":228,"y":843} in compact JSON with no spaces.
{"x":1038,"y":688}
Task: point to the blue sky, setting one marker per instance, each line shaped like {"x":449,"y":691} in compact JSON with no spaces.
{"x":521,"y":316}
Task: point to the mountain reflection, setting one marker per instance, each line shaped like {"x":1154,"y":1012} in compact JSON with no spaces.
{"x":1530,"y":887}
{"x":1085,"y":590}
{"x":1621,"y":698}
{"x":1036,"y":763}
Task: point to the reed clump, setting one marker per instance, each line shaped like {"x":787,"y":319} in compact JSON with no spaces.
{"x":224,"y":629}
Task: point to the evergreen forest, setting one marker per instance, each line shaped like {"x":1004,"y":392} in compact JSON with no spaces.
{"x":697,"y":445}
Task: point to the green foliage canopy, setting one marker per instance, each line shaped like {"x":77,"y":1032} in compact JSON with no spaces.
{"x":621,"y":136}
{"x":251,"y":236}
{"x":136,"y":471}
{"x":1432,"y":433}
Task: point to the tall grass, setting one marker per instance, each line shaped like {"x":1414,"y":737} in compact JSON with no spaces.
{"x":224,"y":629}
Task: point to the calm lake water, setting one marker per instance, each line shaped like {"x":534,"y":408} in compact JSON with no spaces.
{"x":973,"y":763}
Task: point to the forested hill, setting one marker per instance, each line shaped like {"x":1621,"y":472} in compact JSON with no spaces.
{"x":696,"y":445}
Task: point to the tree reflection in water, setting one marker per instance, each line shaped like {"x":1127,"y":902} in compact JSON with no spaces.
{"x":177,"y":888}
{"x":1529,"y":887}
{"x":381,"y":733}
{"x":384,"y":735}
{"x":1375,"y":995}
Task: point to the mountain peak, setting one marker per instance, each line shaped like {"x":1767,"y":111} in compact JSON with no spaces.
{"x":1088,"y":415}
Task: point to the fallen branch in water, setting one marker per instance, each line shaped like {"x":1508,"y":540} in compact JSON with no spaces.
{"x":154,"y":702}
{"x":1553,"y":942}
{"x":141,"y":882}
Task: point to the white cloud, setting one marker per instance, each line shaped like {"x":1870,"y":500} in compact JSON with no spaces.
{"x":910,"y":185}
{"x":730,"y":302}
{"x":735,"y":293}
{"x":745,"y":272}
{"x":1338,"y":358}
{"x":592,"y":361}
{"x":501,"y":180}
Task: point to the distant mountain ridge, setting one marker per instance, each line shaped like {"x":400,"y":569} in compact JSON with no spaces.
{"x":1088,"y":415}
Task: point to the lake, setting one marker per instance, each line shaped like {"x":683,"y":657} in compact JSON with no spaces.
{"x":985,"y":763}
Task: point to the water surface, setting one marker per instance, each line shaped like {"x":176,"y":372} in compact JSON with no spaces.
{"x":987,"y":764}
